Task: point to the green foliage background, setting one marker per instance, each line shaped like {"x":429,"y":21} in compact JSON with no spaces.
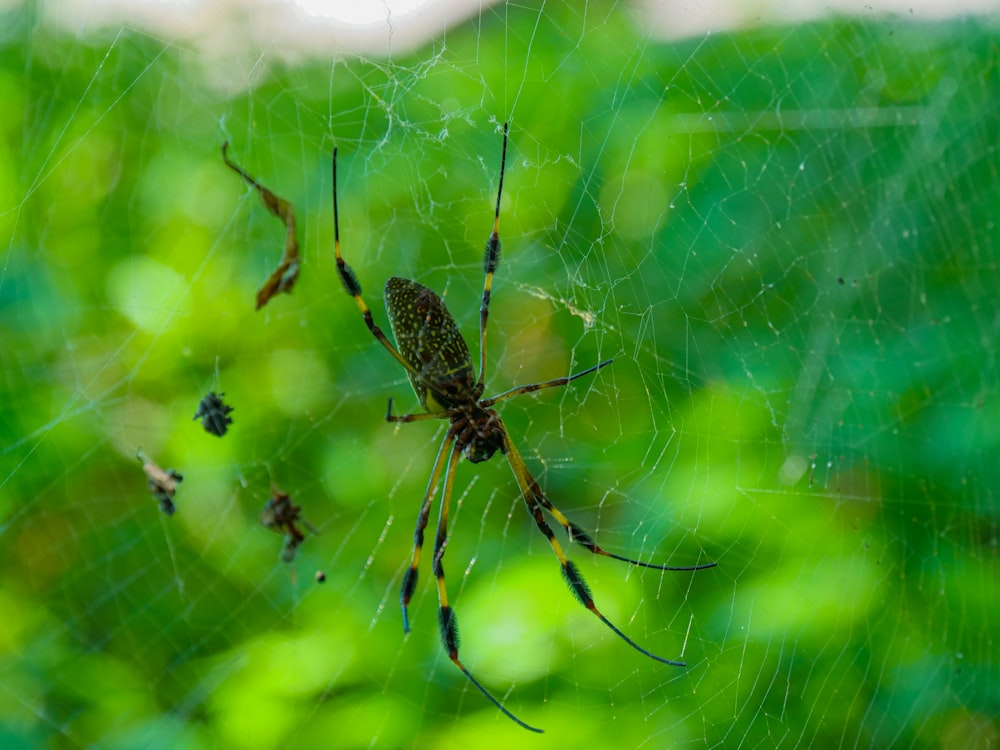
{"x":786,"y":238}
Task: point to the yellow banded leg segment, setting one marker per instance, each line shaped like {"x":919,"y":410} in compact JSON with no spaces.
{"x":581,"y":537}
{"x":484,"y":313}
{"x":491,"y":259}
{"x":353,"y":287}
{"x":446,"y":616}
{"x":447,"y":621}
{"x":410,"y":577}
{"x":441,"y":539}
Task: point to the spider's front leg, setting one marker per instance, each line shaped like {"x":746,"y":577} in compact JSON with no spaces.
{"x":491,"y":259}
{"x":419,"y":417}
{"x":353,"y":287}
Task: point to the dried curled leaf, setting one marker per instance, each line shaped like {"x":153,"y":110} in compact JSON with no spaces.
{"x":283,"y":278}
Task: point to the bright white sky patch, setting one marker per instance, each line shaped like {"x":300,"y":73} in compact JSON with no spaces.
{"x":296,"y":30}
{"x":362,"y":13}
{"x":258,"y":30}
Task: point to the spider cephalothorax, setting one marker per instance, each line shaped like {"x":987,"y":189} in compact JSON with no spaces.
{"x":478,"y":432}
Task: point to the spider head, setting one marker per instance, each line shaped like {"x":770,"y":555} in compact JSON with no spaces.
{"x":480,"y":449}
{"x":485,"y":435}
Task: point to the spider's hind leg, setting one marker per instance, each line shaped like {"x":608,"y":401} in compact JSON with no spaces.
{"x":535,"y":500}
{"x":578,"y":535}
{"x":410,"y":577}
{"x":446,"y":615}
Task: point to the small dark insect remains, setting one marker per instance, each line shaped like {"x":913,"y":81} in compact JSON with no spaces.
{"x":162,"y":483}
{"x":280,"y":514}
{"x":214,"y":414}
{"x":283,"y":278}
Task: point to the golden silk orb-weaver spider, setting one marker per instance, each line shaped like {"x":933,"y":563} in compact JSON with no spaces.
{"x":436,"y":358}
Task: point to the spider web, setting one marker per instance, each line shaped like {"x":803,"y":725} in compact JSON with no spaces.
{"x":784,"y":236}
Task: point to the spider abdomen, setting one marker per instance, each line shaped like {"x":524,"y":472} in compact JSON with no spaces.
{"x":430,"y":342}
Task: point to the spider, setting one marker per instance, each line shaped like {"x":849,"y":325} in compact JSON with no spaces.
{"x":436,"y":358}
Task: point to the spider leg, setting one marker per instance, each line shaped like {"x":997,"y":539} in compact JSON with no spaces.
{"x":530,"y":491}
{"x":353,"y":287}
{"x":491,"y":259}
{"x":410,"y":577}
{"x":419,"y":417}
{"x":530,"y":388}
{"x":446,"y":615}
{"x":576,"y":534}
